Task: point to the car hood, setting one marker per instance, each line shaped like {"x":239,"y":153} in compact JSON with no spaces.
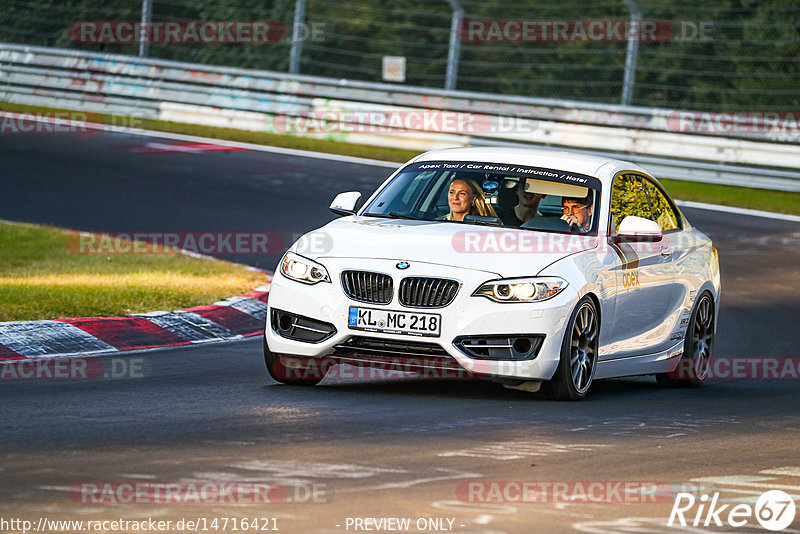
{"x":503,"y":251}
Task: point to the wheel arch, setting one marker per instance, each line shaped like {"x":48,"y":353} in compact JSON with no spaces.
{"x":709,"y":289}
{"x":596,"y":300}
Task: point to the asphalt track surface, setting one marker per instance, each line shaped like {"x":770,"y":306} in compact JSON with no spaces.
{"x":384,"y":447}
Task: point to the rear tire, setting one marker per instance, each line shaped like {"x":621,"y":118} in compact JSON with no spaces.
{"x":300,"y":371}
{"x":578,"y":363}
{"x":692,"y":369}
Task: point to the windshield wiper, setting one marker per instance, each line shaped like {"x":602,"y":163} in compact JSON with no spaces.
{"x":394,"y":215}
{"x":402,"y":216}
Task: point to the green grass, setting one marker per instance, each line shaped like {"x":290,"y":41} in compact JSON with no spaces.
{"x":43,"y":275}
{"x":743,"y":197}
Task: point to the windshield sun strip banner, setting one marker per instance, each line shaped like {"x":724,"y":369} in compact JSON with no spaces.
{"x":508,"y":169}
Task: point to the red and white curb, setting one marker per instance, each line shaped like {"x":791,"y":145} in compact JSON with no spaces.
{"x":230,"y":319}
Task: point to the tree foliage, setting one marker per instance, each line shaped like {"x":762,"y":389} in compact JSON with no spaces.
{"x":724,"y":54}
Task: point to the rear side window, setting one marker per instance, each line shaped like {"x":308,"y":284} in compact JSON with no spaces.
{"x":663,"y":212}
{"x":628,"y":197}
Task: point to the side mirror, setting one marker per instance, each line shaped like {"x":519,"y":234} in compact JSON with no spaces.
{"x":345,"y":203}
{"x":633,"y":228}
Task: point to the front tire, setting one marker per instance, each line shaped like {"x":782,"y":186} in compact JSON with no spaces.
{"x":299,"y":372}
{"x":692,"y":369}
{"x":578,"y":363}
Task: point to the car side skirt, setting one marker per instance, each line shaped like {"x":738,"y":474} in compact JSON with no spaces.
{"x":647,"y":364}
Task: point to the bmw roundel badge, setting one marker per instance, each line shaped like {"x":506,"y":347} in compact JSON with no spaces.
{"x":403,"y":265}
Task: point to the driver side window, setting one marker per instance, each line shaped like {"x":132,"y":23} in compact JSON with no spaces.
{"x":628,"y":197}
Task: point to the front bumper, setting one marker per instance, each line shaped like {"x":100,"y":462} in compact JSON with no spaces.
{"x":465,"y":316}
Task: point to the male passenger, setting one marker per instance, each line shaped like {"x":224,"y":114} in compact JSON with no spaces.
{"x":577,"y":212}
{"x":526,"y":209}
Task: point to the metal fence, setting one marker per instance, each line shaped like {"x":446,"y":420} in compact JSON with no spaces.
{"x":716,"y":55}
{"x":365,"y":112}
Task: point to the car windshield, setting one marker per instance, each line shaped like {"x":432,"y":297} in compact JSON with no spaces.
{"x":491,"y":194}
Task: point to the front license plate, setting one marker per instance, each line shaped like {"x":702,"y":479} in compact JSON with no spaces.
{"x":395,"y":322}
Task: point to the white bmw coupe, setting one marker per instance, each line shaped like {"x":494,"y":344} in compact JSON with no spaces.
{"x":535,"y":268}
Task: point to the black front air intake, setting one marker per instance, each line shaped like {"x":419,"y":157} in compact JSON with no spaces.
{"x":399,"y":355}
{"x":500,"y":347}
{"x":299,"y":328}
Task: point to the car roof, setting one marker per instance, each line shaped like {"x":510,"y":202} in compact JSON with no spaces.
{"x":549,"y":158}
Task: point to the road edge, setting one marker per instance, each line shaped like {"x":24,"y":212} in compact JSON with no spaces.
{"x":231,"y":319}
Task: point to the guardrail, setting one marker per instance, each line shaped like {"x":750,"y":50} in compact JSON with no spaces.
{"x":751,"y":153}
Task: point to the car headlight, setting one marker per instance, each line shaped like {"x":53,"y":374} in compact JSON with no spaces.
{"x":303,"y":270}
{"x":522,"y":289}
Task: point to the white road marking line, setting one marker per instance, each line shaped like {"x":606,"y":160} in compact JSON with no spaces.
{"x":54,"y":488}
{"x":515,"y":450}
{"x":656,"y":427}
{"x":792,"y":471}
{"x":284,"y":468}
{"x":173,"y":148}
{"x":139,"y":476}
{"x":747,"y":481}
{"x":475,"y":508}
{"x":484,"y":519}
{"x":737,"y":211}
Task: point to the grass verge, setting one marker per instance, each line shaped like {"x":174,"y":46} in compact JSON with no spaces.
{"x":742,"y":197}
{"x":43,"y":277}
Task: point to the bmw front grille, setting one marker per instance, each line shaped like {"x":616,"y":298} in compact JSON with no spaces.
{"x":424,"y":292}
{"x":367,"y":286}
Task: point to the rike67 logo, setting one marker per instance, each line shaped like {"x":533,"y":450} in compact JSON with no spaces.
{"x":774,"y":510}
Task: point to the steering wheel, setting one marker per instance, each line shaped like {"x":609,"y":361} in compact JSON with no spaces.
{"x":551,"y":224}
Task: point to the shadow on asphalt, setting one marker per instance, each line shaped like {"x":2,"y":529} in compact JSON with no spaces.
{"x":471,"y":389}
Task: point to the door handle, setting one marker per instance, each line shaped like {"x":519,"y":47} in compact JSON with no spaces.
{"x":666,"y":253}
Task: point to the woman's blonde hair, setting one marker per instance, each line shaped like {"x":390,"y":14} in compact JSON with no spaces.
{"x":479,"y":205}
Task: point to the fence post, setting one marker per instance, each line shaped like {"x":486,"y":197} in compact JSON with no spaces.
{"x":452,"y":54}
{"x":633,"y":51}
{"x":144,"y":31}
{"x":297,"y":36}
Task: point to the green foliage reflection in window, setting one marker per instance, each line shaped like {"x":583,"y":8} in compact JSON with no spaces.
{"x":663,"y":213}
{"x":628,"y":198}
